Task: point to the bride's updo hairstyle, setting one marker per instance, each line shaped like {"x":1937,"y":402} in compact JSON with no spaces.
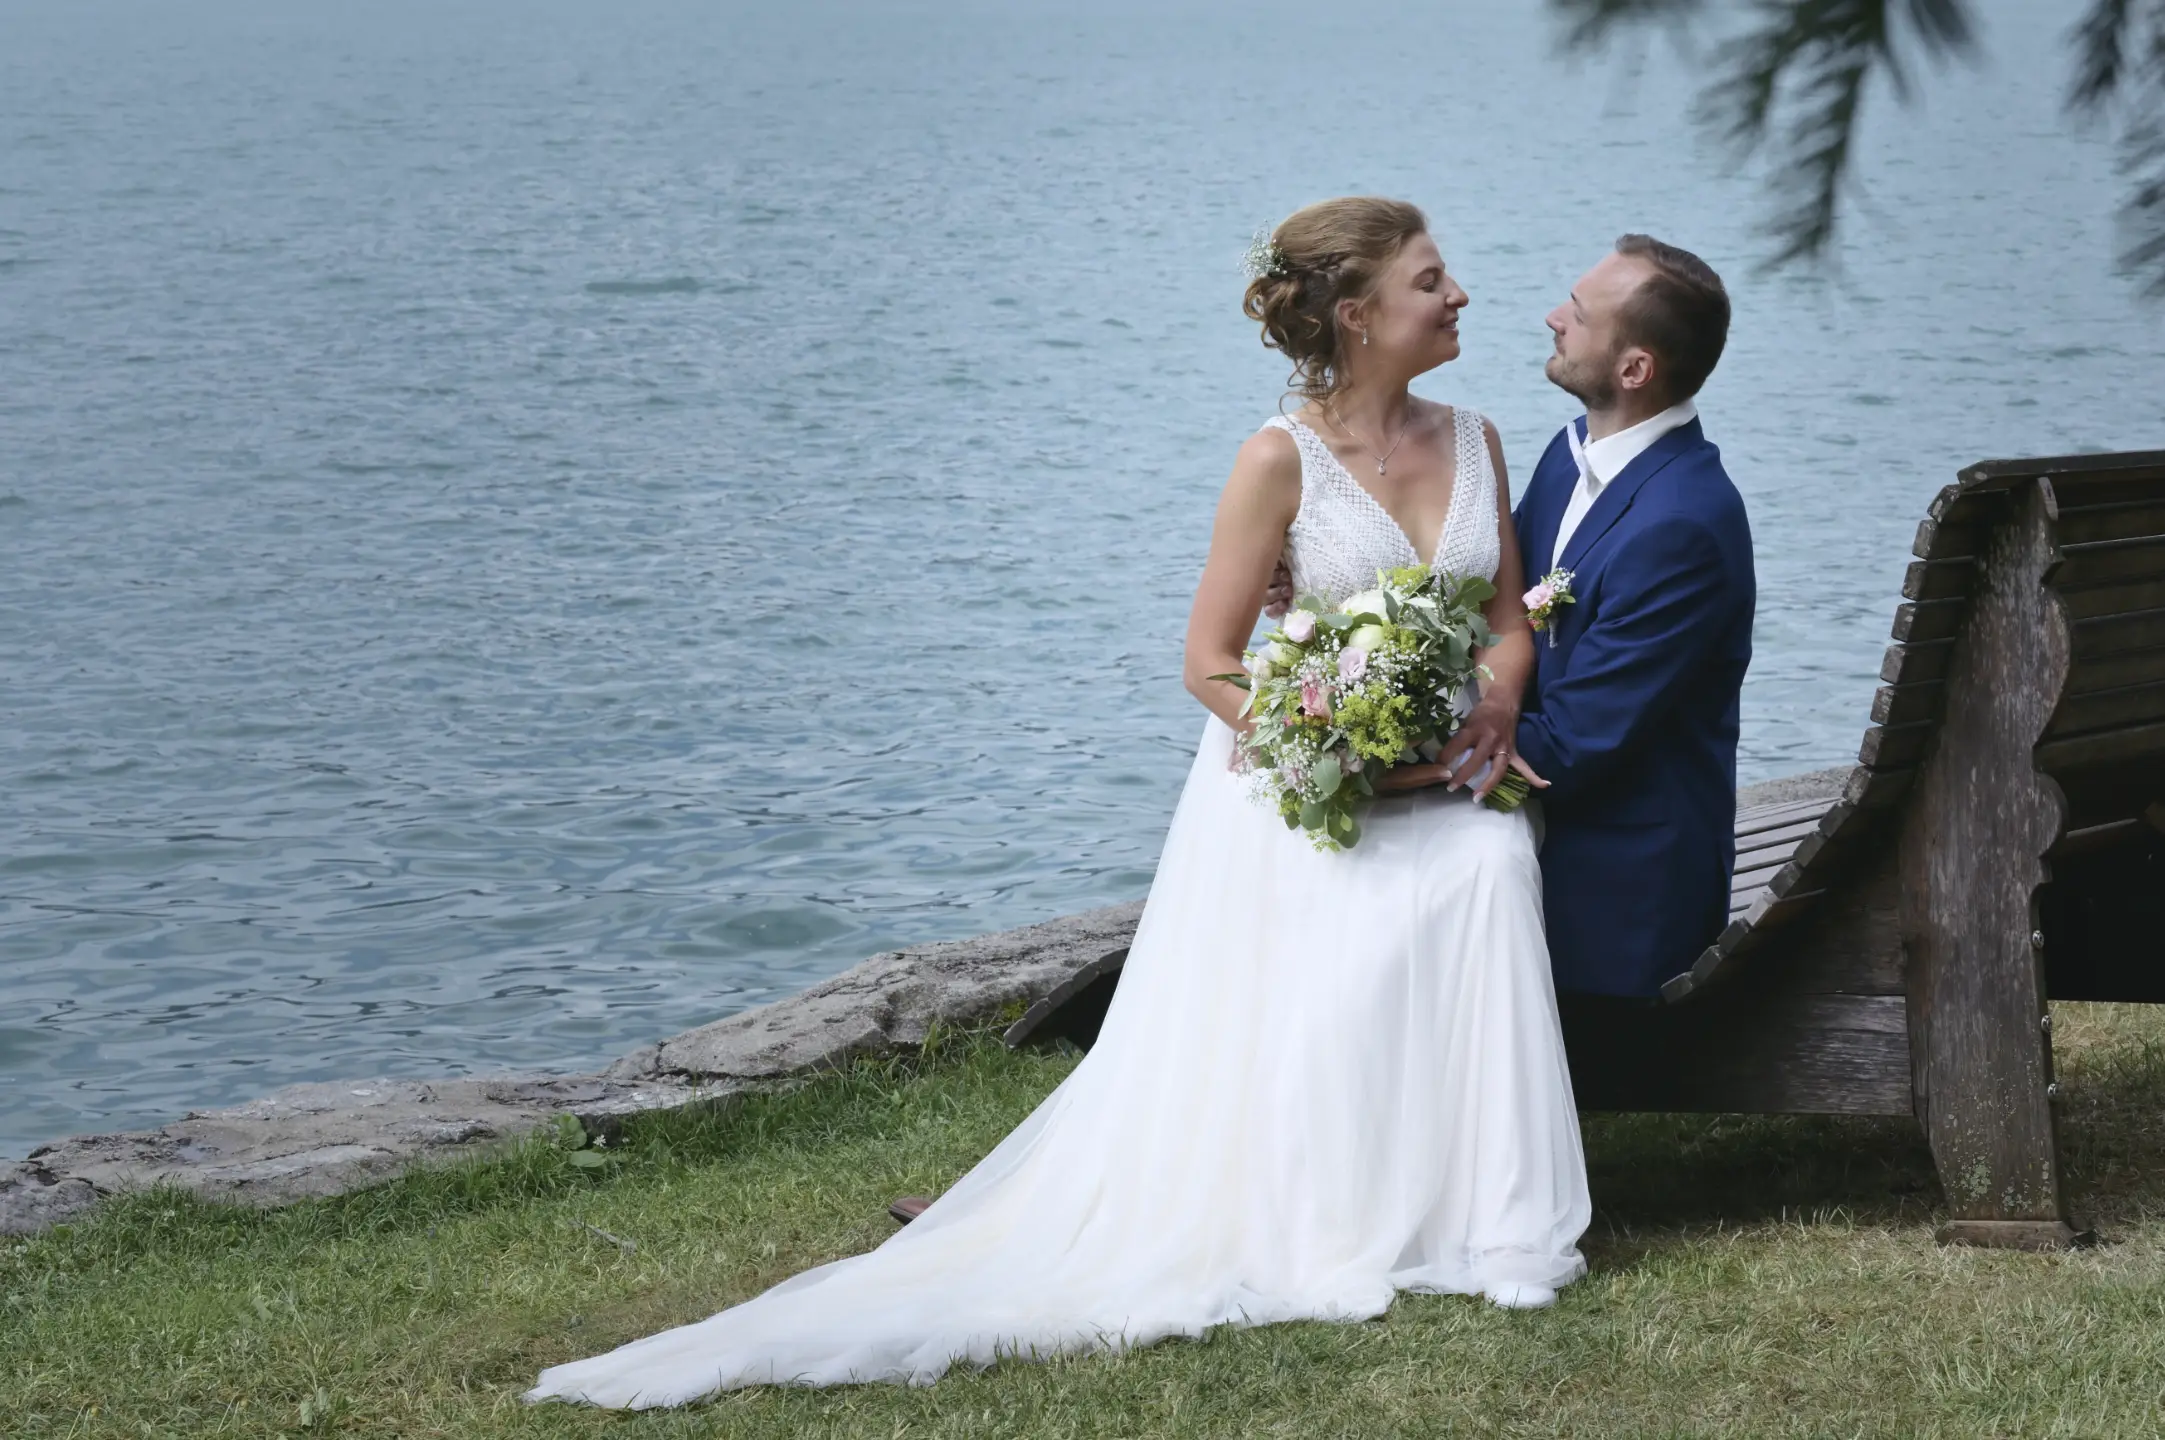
{"x":1331,"y":251}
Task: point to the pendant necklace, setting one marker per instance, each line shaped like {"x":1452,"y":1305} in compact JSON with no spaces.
{"x":1383,"y":459}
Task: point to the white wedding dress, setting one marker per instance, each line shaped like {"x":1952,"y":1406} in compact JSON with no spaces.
{"x":1325,"y":1078}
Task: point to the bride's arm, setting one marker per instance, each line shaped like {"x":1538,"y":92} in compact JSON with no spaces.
{"x":1260,"y":500}
{"x":1493,"y":725}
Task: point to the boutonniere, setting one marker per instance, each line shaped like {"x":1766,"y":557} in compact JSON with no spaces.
{"x":1548,"y":597}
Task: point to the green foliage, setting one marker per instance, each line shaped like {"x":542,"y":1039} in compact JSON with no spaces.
{"x":1790,"y":85}
{"x":1378,"y":729}
{"x":1752,"y":1276}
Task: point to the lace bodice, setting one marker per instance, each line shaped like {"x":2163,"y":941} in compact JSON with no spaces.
{"x":1342,"y":536}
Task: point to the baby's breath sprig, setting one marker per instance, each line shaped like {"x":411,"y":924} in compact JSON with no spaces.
{"x":1263,"y":256}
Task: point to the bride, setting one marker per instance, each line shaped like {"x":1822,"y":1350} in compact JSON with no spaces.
{"x":1326,"y":1077}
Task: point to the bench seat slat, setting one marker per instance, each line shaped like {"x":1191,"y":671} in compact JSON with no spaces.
{"x":1937,"y":540}
{"x":1907,"y":704}
{"x":1773,"y":817}
{"x":2102,"y":747}
{"x":2107,"y":710}
{"x":2100,"y":602}
{"x":1916,"y":664}
{"x":1887,"y":746}
{"x":1871,"y":789}
{"x":2109,"y":562}
{"x":2089,"y":492}
{"x":1929,"y":619}
{"x":2111,"y":522}
{"x":2115,"y":672}
{"x":1785,"y":838}
{"x":2118,"y":634}
{"x":1758,"y":877}
{"x":2076,"y":470}
{"x":1938,"y":579}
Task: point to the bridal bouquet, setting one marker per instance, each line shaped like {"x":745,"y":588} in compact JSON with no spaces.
{"x":1335,"y":691}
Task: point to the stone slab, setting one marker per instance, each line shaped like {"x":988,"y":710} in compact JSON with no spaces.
{"x":1811,"y":785}
{"x":329,"y":1137}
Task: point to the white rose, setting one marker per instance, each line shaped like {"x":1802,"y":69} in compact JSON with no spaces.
{"x":1366,"y":637}
{"x":1367,"y":602}
{"x":1281,"y":654}
{"x":1259,"y":666}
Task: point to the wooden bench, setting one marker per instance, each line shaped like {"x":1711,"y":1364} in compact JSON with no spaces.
{"x":2001,"y":842}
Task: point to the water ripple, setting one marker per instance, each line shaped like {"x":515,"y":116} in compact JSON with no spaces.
{"x":617,"y":514}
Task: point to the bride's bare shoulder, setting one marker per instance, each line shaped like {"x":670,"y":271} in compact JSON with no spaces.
{"x":1267,"y":471}
{"x":1271,"y":453}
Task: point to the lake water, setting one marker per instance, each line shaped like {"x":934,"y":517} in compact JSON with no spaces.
{"x":528,"y":526}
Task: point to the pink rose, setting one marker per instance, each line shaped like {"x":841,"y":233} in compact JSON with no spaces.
{"x":1299,"y":627}
{"x":1352,"y":664}
{"x":1540,"y":595}
{"x":1314,"y":701}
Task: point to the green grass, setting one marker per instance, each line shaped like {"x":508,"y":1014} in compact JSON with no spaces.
{"x":1754,"y":1277}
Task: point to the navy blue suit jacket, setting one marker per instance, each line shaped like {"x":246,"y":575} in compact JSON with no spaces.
{"x":1632,"y":713}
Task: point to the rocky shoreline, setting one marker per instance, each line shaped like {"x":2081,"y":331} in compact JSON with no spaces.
{"x":333,"y":1136}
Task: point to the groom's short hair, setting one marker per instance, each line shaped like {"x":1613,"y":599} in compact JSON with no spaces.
{"x":1680,"y":313}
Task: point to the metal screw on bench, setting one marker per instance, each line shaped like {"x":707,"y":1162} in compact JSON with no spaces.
{"x":2052,"y":1090}
{"x":2037,"y":939}
{"x":2045,"y":1024}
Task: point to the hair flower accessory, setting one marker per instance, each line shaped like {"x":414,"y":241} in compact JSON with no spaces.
{"x":1263,"y":256}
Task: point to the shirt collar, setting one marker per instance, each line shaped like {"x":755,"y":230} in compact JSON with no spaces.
{"x":1607,"y":457}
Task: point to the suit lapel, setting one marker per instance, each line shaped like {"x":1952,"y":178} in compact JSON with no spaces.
{"x":1546,"y":502}
{"x":1616,"y":499}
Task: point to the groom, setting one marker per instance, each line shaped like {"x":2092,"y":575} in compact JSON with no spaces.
{"x":1631,"y":715}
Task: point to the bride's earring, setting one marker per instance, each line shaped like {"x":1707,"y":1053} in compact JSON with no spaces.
{"x":1364,"y":337}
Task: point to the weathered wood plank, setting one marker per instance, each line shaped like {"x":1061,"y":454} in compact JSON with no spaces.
{"x":1917,"y":664}
{"x":1761,"y":818}
{"x":2103,"y":747}
{"x":1876,"y":789}
{"x":1938,"y":579}
{"x":2119,"y":634}
{"x":1751,"y":882}
{"x":1888,"y":747}
{"x":2082,"y":526}
{"x":2112,"y":835}
{"x":1743,"y":1052}
{"x":2110,"y":562}
{"x":1782,"y":838}
{"x":2084,"y":492}
{"x":1074,"y":1009}
{"x":1941,"y":540}
{"x":1908,"y":704}
{"x":2116,"y":672}
{"x":2037,"y":1235}
{"x":1929,"y":619}
{"x":2075,"y":470}
{"x":1777,"y":905}
{"x":2107,"y":710}
{"x":1971,"y":868}
{"x":1850,"y":943}
{"x":2132,"y":597}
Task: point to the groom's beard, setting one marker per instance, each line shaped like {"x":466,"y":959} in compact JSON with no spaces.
{"x":1595,"y":389}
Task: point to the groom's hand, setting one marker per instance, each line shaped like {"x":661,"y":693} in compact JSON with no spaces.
{"x":1279,"y":597}
{"x":1488,"y":737}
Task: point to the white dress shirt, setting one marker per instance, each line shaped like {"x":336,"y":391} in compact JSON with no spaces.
{"x":1601,"y":461}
